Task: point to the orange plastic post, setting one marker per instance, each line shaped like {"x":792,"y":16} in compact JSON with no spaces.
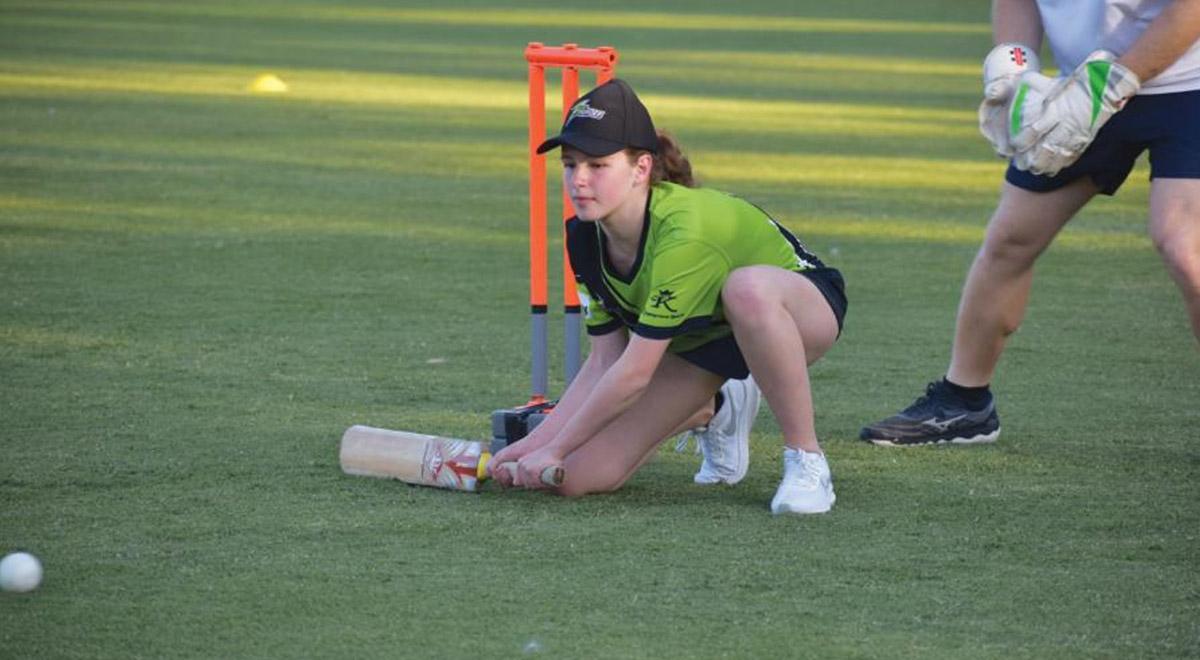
{"x":537,"y":187}
{"x":570,"y":58}
{"x":570,"y":94}
{"x":538,"y":286}
{"x":603,"y":57}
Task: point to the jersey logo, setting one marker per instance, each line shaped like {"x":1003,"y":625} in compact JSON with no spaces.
{"x":663,"y":299}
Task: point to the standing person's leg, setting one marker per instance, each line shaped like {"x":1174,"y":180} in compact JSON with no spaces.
{"x":1175,"y":228}
{"x":960,"y":409}
{"x":677,"y":390}
{"x":783,"y":323}
{"x":997,"y":289}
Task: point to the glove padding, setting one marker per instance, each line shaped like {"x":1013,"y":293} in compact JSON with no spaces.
{"x":1051,"y":137}
{"x":1001,"y":68}
{"x":1023,"y":117}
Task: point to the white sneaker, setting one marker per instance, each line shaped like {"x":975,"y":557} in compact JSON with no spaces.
{"x":807,"y":485}
{"x":725,"y":442}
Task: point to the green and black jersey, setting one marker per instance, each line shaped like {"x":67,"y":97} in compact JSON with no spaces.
{"x":692,"y":239}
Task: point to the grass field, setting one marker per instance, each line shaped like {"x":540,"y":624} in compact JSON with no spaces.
{"x":201,"y":287}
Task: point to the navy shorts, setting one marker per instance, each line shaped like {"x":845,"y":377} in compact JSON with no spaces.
{"x":1168,"y":125}
{"x":724,"y":358}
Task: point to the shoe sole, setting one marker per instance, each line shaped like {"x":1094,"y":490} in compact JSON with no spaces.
{"x":710,"y":481}
{"x":798,"y":512}
{"x":973,"y":440}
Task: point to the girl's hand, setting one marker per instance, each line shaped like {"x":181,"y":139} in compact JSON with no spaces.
{"x":532,"y":465}
{"x":510,"y":454}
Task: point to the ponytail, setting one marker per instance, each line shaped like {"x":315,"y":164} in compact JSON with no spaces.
{"x":670,"y":163}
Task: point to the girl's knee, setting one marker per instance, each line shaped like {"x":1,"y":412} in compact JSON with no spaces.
{"x":745,"y":292}
{"x":589,"y":477}
{"x":580,"y":487}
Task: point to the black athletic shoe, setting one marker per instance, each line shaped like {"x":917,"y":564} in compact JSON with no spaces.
{"x":935,"y":418}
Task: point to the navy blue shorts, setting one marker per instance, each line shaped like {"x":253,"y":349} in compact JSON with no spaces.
{"x":1168,"y":125}
{"x":723,"y":356}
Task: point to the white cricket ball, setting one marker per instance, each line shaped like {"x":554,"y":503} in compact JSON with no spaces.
{"x":20,"y":572}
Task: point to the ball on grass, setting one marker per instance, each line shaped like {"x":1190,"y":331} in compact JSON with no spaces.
{"x":20,"y":572}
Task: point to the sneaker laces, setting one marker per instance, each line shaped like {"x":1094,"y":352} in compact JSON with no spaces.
{"x":924,"y":400}
{"x":812,"y":469}
{"x":701,"y":435}
{"x":807,"y":472}
{"x":689,"y":436}
{"x":704,"y":443}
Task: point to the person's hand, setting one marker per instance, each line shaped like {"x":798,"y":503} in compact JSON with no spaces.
{"x":1025,"y":127}
{"x":533,"y":465}
{"x":1072,"y":113}
{"x":510,"y":454}
{"x":1001,"y":69}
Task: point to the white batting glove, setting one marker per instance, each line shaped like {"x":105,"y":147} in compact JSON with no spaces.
{"x":1073,"y":113}
{"x":1001,"y":68}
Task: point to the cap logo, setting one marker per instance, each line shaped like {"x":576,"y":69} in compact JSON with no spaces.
{"x":583,"y":109}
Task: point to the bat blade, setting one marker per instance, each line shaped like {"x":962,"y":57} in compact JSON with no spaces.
{"x":414,"y":458}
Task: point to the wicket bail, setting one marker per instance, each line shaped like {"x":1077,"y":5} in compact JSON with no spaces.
{"x":570,"y":58}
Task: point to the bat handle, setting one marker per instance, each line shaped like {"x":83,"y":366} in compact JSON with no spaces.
{"x":551,"y":476}
{"x":554,"y":476}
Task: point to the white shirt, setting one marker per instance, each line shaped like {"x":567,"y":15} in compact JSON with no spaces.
{"x":1076,"y":28}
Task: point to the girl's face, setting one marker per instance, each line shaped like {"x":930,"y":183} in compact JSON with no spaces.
{"x":600,"y":186}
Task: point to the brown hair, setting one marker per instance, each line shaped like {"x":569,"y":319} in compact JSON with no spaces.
{"x":670,"y":163}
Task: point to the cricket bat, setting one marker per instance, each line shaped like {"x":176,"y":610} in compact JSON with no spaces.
{"x":425,"y":460}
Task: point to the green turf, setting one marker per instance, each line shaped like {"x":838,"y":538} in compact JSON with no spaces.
{"x":202,"y":287}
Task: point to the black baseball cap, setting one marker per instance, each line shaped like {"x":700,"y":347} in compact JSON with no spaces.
{"x":606,"y":120}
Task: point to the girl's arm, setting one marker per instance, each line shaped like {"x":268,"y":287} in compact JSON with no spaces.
{"x":616,"y":390}
{"x":605,"y":351}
